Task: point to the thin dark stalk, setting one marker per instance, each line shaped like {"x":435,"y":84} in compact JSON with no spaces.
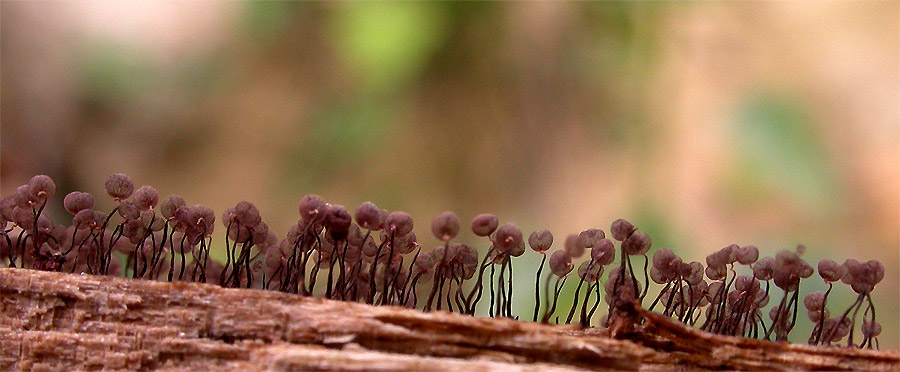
{"x":557,"y":288}
{"x":587,"y":295}
{"x":575,"y":301}
{"x":537,"y":288}
{"x":172,"y":255}
{"x":775,"y":323}
{"x":658,"y":296}
{"x":438,"y":273}
{"x":388,"y":268}
{"x":479,"y":286}
{"x":509,"y":299}
{"x":853,"y":322}
{"x":331,"y":261}
{"x":491,"y":310}
{"x":820,"y":324}
{"x":408,"y":276}
{"x":374,"y":269}
{"x":793,"y":304}
{"x":596,"y":302}
{"x":501,"y":291}
{"x":181,"y":273}
{"x":646,"y":278}
{"x":434,"y":288}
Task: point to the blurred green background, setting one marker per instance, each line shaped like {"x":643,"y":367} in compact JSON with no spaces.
{"x":766,"y":123}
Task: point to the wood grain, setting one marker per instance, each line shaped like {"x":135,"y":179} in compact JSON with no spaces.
{"x":51,"y":321}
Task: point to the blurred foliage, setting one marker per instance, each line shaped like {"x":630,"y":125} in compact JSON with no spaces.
{"x":343,"y":138}
{"x":388,"y":44}
{"x":267,"y":21}
{"x":114,"y":74}
{"x":778,"y":146}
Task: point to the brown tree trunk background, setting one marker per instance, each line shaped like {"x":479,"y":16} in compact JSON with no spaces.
{"x":52,"y":322}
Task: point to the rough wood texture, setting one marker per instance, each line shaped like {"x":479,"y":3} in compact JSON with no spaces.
{"x":52,"y":322}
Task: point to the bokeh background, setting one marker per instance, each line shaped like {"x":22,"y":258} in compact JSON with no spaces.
{"x":766,"y":123}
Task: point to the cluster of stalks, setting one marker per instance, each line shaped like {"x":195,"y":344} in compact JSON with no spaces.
{"x":374,"y":257}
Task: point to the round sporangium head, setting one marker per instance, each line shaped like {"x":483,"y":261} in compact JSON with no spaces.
{"x":337,"y":221}
{"x":589,"y":237}
{"x":77,"y":201}
{"x":621,"y":229}
{"x":145,"y":198}
{"x":128,"y":210}
{"x":400,"y":223}
{"x":638,"y":243}
{"x":604,"y":252}
{"x":445,"y":226}
{"x":370,"y":217}
{"x":764,"y":269}
{"x":518,"y":250}
{"x":507,"y":237}
{"x":247,"y":214}
{"x":747,"y":255}
{"x":572,"y":247}
{"x":311,"y":206}
{"x":830,"y":271}
{"x":560,"y":263}
{"x":871,"y":329}
{"x":814,"y":301}
{"x":541,"y":240}
{"x":716,"y":273}
{"x":485,"y":224}
{"x":169,"y":205}
{"x":83,"y":219}
{"x":42,"y":187}
{"x":119,"y":186}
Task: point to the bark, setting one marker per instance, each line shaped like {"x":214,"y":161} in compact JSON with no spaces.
{"x":51,"y":322}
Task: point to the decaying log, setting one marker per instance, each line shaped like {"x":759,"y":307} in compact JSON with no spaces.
{"x":51,"y":321}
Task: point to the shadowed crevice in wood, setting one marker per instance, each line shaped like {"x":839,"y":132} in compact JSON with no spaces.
{"x":51,"y":321}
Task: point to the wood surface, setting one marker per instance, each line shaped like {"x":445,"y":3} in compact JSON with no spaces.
{"x":55,"y":322}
